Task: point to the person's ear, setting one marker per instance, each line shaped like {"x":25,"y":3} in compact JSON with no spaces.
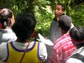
{"x":12,"y":20}
{"x":34,"y":34}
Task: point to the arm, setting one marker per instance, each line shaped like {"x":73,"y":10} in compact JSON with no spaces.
{"x":56,"y":55}
{"x":42,"y":52}
{"x":2,"y":52}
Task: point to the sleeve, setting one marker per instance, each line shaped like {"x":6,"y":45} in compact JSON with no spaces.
{"x":9,"y":37}
{"x":56,"y":55}
{"x":42,"y":51}
{"x":55,"y":33}
{"x":52,"y":31}
{"x":3,"y":51}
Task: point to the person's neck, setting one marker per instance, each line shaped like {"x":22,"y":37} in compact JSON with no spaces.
{"x":57,"y":18}
{"x":63,"y":32}
{"x":18,"y":40}
{"x":8,"y":27}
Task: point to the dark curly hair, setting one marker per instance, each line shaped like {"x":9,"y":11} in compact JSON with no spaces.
{"x":24,"y":26}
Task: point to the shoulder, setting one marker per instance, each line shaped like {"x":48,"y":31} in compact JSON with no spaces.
{"x":62,"y":38}
{"x":9,"y":35}
{"x":54,"y":22}
{"x":42,"y":50}
{"x":62,"y":41}
{"x":42,"y":45}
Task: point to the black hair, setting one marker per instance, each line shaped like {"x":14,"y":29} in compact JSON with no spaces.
{"x":5,"y":17}
{"x":24,"y":26}
{"x":63,"y":7}
{"x":65,"y":22}
{"x":77,"y":33}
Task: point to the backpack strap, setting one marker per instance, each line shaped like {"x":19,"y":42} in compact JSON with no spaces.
{"x":78,"y":56}
{"x":21,"y":59}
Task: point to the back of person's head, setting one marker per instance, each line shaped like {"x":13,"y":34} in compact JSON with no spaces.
{"x":24,"y":26}
{"x":65,"y":23}
{"x":5,"y":17}
{"x":77,"y":34}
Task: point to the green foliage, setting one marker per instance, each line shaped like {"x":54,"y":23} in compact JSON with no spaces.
{"x":43,"y":10}
{"x":44,"y":18}
{"x":77,"y":14}
{"x":18,"y":6}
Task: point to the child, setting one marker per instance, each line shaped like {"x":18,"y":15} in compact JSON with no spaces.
{"x":63,"y":46}
{"x":77,"y":35}
{"x":55,"y":33}
{"x":6,"y":21}
{"x":54,"y":28}
{"x":23,"y":50}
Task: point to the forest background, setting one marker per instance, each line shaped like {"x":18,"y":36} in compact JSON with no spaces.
{"x":44,"y":11}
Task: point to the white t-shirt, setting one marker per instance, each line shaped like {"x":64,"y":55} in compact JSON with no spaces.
{"x":75,"y":60}
{"x":9,"y":35}
{"x":21,"y":46}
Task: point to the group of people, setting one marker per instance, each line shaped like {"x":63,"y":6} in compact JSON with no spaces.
{"x":67,"y":38}
{"x":16,"y":45}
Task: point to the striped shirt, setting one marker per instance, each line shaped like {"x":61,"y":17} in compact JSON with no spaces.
{"x":63,"y":48}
